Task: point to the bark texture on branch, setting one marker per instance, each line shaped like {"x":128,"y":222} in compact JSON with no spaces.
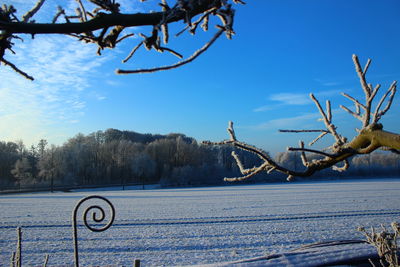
{"x":102,"y":20}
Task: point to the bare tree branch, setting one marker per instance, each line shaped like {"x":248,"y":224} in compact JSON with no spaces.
{"x":179,"y":64}
{"x":327,"y":120}
{"x":369,"y":138}
{"x":302,"y":149}
{"x":32,"y":12}
{"x":318,"y":138}
{"x":304,"y":159}
{"x":361,"y":74}
{"x":82,"y":9}
{"x":16,"y":69}
{"x":345,"y":166}
{"x":367,"y":89}
{"x":106,"y":19}
{"x":303,"y":131}
{"x":378,"y":113}
{"x":356,"y":115}
{"x":356,"y":103}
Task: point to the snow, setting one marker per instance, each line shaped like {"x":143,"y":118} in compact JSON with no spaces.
{"x":170,"y":227}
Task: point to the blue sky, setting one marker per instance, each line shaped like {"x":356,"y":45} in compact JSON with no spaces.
{"x":282,"y":51}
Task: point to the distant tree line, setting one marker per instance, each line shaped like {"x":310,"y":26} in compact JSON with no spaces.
{"x":117,"y":157}
{"x":125,"y":157}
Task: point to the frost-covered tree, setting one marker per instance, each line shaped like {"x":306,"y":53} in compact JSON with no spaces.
{"x":143,"y":167}
{"x":41,"y":147}
{"x":22,"y":171}
{"x":369,"y":138}
{"x":8,"y":157}
{"x":103,"y":23}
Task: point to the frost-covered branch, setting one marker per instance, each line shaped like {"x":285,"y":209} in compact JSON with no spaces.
{"x":369,"y":138}
{"x":106,"y":26}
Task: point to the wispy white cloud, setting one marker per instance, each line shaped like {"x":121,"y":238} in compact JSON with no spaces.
{"x":63,"y":69}
{"x":265,"y":108}
{"x":288,"y":122}
{"x":97,"y":96}
{"x":303,"y":121}
{"x":280,"y":99}
{"x":327,"y":83}
{"x":293,"y":99}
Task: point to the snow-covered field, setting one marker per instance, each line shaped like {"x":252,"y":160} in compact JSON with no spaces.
{"x":169,"y":227}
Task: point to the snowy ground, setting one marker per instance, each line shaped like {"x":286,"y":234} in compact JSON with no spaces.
{"x":168,"y":227}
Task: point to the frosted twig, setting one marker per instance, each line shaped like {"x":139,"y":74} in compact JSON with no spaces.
{"x":366,"y":66}
{"x":321,"y":111}
{"x":16,"y":69}
{"x":356,"y":115}
{"x":240,"y":164}
{"x":328,"y":110}
{"x":356,"y":102}
{"x":251,"y":174}
{"x":385,"y":243}
{"x":374,"y":92}
{"x":323,"y":133}
{"x":181,"y":63}
{"x":82,"y":9}
{"x":161,"y":49}
{"x":369,"y":93}
{"x":302,"y":131}
{"x":361,"y":74}
{"x":32,"y":12}
{"x":231,"y":131}
{"x":326,"y":118}
{"x":311,"y":151}
{"x":378,"y":114}
{"x":181,"y":31}
{"x":345,"y":166}
{"x":318,"y":138}
{"x":164,"y":25}
{"x":133,"y":51}
{"x":195,"y":24}
{"x":60,"y":12}
{"x":303,"y":154}
{"x":124,"y":37}
{"x":203,"y":19}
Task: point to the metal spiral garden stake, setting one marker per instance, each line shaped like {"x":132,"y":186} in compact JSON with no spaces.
{"x":97,"y":218}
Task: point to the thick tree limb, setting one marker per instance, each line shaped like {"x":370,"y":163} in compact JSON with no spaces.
{"x":103,"y":20}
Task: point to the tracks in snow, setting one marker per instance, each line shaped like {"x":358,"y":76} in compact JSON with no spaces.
{"x":227,"y":219}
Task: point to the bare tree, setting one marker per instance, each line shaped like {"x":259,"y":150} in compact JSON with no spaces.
{"x":370,"y":138}
{"x":105,"y":26}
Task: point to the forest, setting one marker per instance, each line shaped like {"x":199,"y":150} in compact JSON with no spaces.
{"x":114,"y":157}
